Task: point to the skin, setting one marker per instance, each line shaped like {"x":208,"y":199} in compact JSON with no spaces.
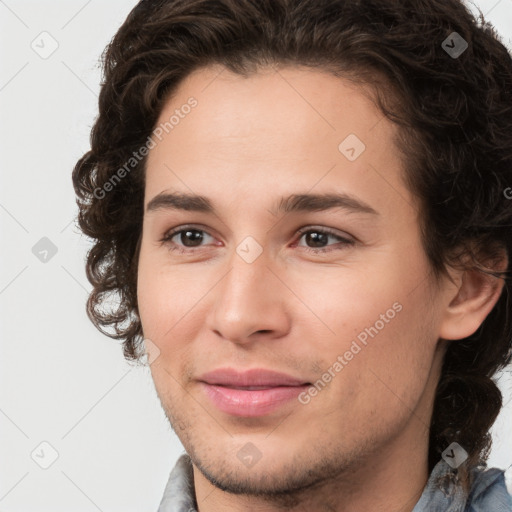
{"x":361,"y":443}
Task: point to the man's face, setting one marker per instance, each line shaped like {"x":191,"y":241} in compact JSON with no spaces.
{"x":245,"y":290}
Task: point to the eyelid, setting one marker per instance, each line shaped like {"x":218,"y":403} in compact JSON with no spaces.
{"x":178,"y":229}
{"x":197,"y":227}
{"x":330,"y":231}
{"x":344,"y":239}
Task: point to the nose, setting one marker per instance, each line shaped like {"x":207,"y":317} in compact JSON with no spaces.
{"x":250,"y":301}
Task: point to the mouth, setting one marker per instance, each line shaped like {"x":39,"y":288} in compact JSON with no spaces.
{"x":254,"y":378}
{"x":250,"y":388}
{"x":249,"y":402}
{"x":253,"y":393}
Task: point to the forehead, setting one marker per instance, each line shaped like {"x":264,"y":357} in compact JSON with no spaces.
{"x":277,"y":129}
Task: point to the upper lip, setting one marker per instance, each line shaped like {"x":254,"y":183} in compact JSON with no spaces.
{"x":253,"y":377}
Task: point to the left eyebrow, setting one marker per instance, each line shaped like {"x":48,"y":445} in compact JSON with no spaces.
{"x":292,"y":203}
{"x":322,"y":202}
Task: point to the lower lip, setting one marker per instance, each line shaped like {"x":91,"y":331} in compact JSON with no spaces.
{"x":246,"y":403}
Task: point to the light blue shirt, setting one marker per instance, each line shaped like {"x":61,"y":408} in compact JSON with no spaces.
{"x":441,"y":494}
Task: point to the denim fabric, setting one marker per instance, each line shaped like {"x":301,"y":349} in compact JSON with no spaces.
{"x":441,"y":494}
{"x":488,"y":492}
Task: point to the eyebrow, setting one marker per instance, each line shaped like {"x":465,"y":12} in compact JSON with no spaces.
{"x":292,"y":203}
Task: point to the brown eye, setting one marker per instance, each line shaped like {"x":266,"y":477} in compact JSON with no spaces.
{"x":184,"y":238}
{"x":318,"y":238}
{"x":190,"y":237}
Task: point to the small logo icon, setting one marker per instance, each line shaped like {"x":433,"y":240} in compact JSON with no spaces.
{"x":44,"y":455}
{"x":454,"y":455}
{"x":249,"y":249}
{"x":352,"y":147}
{"x":44,"y":45}
{"x":44,"y":250}
{"x":152,"y":352}
{"x":249,"y":455}
{"x":454,"y":45}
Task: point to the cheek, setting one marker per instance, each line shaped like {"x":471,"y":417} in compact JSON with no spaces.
{"x":154,"y":296}
{"x":171,"y":303}
{"x":162,"y":310}
{"x":377,"y":336}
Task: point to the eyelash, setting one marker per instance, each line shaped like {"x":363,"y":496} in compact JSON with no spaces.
{"x":166,"y":239}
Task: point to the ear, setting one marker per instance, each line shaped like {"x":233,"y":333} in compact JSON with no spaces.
{"x":475,"y":295}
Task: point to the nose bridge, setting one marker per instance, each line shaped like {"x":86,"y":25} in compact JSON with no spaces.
{"x":248,"y":269}
{"x":247,"y":300}
{"x":246,"y":284}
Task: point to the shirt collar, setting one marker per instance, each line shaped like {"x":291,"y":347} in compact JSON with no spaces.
{"x":179,"y":493}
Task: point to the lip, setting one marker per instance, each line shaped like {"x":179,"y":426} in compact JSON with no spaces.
{"x":253,"y":377}
{"x":252,"y":393}
{"x":250,"y":403}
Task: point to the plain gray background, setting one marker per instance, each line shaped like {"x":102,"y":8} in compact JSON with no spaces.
{"x":62,"y":382}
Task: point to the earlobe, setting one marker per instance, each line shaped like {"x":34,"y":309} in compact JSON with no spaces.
{"x":476,"y":296}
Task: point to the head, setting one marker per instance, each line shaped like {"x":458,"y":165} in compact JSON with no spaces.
{"x":243,"y":103}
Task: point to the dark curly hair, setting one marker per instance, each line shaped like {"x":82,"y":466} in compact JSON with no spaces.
{"x":454,"y":114}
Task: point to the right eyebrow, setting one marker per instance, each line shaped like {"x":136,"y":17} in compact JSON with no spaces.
{"x":180,"y":201}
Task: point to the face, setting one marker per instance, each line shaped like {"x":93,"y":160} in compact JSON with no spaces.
{"x":332,"y":290}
